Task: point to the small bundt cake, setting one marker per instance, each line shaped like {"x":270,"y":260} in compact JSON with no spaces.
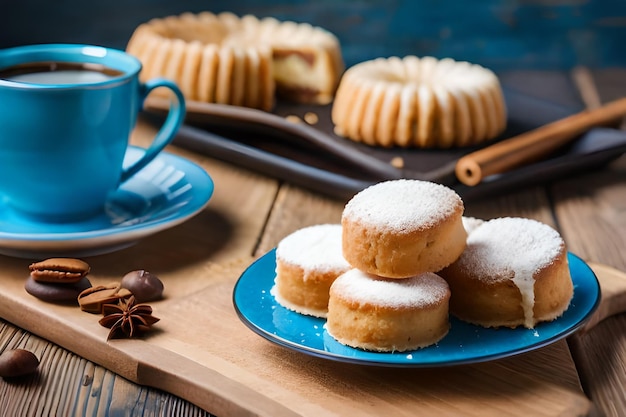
{"x":513,"y":272}
{"x":222,"y":58}
{"x":307,"y":61}
{"x":419,"y":102}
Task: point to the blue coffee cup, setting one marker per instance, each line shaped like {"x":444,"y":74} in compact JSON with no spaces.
{"x":66,"y":116}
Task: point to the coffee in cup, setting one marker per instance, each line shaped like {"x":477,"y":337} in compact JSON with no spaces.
{"x":52,"y":72}
{"x":67,"y":115}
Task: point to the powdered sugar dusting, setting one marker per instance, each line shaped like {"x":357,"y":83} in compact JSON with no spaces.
{"x":402,"y":204}
{"x":512,"y":248}
{"x":314,"y":248}
{"x":419,"y":291}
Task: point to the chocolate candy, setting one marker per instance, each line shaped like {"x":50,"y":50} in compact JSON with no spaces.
{"x":144,"y":285}
{"x":56,"y":293}
{"x":59,"y":270}
{"x":17,"y":362}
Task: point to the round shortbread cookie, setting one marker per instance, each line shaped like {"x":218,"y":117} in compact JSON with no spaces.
{"x":307,"y":263}
{"x":402,"y":228}
{"x":374,"y":313}
{"x":513,"y":272}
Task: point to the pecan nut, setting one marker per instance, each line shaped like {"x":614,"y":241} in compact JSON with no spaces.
{"x":59,"y":270}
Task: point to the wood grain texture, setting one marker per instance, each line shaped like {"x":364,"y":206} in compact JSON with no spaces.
{"x":86,"y":389}
{"x":613,"y":284}
{"x":296,"y":208}
{"x":591,"y":212}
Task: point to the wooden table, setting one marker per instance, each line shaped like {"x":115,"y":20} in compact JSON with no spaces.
{"x":249,"y":213}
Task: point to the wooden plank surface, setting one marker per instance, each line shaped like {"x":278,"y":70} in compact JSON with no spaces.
{"x":592,"y":214}
{"x":200,"y":350}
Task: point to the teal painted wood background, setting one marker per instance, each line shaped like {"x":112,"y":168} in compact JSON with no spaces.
{"x":501,"y":34}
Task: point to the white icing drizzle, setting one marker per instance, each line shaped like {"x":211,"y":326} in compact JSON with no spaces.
{"x":471,"y":223}
{"x":403,"y":204}
{"x":512,"y":248}
{"x":316,"y":249}
{"x":418,"y":291}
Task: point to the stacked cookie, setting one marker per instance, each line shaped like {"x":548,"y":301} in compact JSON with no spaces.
{"x":404,"y":257}
{"x":372,"y":276}
{"x":513,"y":272}
{"x":307,"y":262}
{"x":58,"y":280}
{"x":396,"y":235}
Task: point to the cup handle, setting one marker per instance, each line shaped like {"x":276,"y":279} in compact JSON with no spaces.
{"x":164,"y":136}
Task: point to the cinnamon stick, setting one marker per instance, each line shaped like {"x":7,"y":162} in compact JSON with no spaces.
{"x":535,"y":144}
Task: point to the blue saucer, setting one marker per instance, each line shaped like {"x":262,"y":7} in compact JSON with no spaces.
{"x":165,"y":193}
{"x":464,"y":343}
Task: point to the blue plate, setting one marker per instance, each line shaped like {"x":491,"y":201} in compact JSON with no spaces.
{"x":465,"y":343}
{"x":165,"y":193}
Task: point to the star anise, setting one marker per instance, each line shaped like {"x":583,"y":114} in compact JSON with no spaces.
{"x":126,"y":318}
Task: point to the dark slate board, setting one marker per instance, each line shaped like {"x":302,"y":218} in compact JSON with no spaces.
{"x":315,"y":158}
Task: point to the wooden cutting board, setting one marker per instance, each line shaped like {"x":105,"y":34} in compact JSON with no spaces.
{"x":202,"y":352}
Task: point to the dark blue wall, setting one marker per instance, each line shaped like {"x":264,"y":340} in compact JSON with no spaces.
{"x":501,"y":34}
